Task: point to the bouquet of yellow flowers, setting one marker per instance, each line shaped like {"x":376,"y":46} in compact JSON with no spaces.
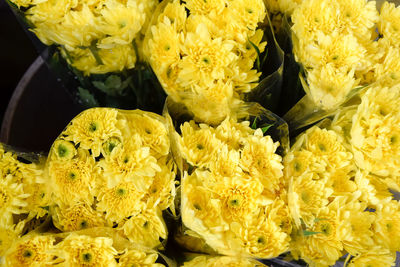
{"x":208,"y":54}
{"x":113,"y":168}
{"x":96,"y":48}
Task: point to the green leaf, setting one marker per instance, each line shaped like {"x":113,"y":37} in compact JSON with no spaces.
{"x":113,"y":82}
{"x":264,"y":58}
{"x":254,"y":124}
{"x":95,"y":53}
{"x":100,"y":85}
{"x":258,"y":65}
{"x":309,"y":233}
{"x":87,"y":97}
{"x":265,"y":127}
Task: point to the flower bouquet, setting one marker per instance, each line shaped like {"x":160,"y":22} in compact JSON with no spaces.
{"x":95,"y":49}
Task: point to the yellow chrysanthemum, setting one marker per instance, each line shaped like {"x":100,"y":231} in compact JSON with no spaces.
{"x":39,"y":199}
{"x":216,"y":261}
{"x":199,"y":208}
{"x":262,"y":239}
{"x":92,"y":128}
{"x":162,"y":190}
{"x":355,"y":227}
{"x":209,"y":8}
{"x":77,"y":28}
{"x":259,"y":159}
{"x":388,"y":24}
{"x":120,"y":22}
{"x":12,"y":200}
{"x":30,"y":250}
{"x":27,"y":3}
{"x":8,"y":234}
{"x":80,"y":250}
{"x":163,"y":46}
{"x":314,"y":16}
{"x":375,"y":257}
{"x":18,"y":171}
{"x":77,"y":217}
{"x":227,"y":163}
{"x":233,"y":133}
{"x":152,"y":130}
{"x":324,"y":247}
{"x":120,"y":202}
{"x":138,"y":258}
{"x":387,"y":225}
{"x":298,"y":162}
{"x":306,"y":197}
{"x":375,"y":135}
{"x":204,"y":59}
{"x":64,"y":150}
{"x":198,"y":146}
{"x":72,"y":180}
{"x":239,"y":198}
{"x":373,"y":189}
{"x":52,"y":11}
{"x":146,"y":228}
{"x":130,"y":162}
{"x":176,"y":14}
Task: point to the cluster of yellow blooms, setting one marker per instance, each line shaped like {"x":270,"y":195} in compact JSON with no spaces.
{"x":203,"y":53}
{"x":217,"y":261}
{"x":24,"y":198}
{"x":233,"y":195}
{"x":77,"y":249}
{"x":113,"y":168}
{"x":343,"y":45}
{"x":339,"y":174}
{"x":94,"y":36}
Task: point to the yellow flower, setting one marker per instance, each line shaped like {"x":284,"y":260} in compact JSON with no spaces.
{"x":77,"y":28}
{"x":312,"y":17}
{"x":49,"y":12}
{"x":324,"y":247}
{"x":18,"y":171}
{"x":262,"y":239}
{"x":298,"y":162}
{"x":130,"y":162}
{"x":12,"y":200}
{"x":120,"y":22}
{"x":239,"y":198}
{"x":198,"y":146}
{"x":306,"y":197}
{"x":387,"y":225}
{"x":259,"y":159}
{"x":233,"y":133}
{"x":288,"y":6}
{"x":388,"y":23}
{"x":119,"y":202}
{"x":375,"y":135}
{"x":199,"y":208}
{"x":81,"y":250}
{"x":30,"y":250}
{"x":227,"y":163}
{"x":138,"y":258}
{"x":358,"y":17}
{"x":204,"y":59}
{"x":329,"y":86}
{"x":39,"y":199}
{"x":164,"y":46}
{"x":162,"y":190}
{"x":247,"y":13}
{"x":146,"y":228}
{"x":373,"y":189}
{"x":176,"y":14}
{"x":209,"y":8}
{"x":355,"y":227}
{"x":8,"y":234}
{"x":92,"y":128}
{"x":216,"y":261}
{"x":64,"y":150}
{"x":72,"y":180}
{"x":77,"y":217}
{"x":114,"y":59}
{"x":152,"y":130}
{"x":374,"y":257}
{"x":26,"y":3}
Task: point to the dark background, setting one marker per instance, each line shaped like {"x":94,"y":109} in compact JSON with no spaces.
{"x":16,"y":54}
